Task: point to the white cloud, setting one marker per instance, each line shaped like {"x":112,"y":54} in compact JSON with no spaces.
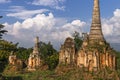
{"x":49,"y":28}
{"x":57,"y":4}
{"x":117,"y":13}
{"x":77,"y":23}
{"x":16,"y":8}
{"x":111,"y":27}
{"x":21,"y":13}
{"x":5,"y":1}
{"x":44,"y":26}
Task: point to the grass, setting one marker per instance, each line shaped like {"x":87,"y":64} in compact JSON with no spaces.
{"x":35,"y":75}
{"x":74,"y":74}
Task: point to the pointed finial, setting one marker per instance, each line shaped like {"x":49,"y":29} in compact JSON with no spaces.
{"x":36,"y":39}
{"x":96,"y":34}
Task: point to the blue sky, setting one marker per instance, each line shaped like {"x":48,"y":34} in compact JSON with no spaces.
{"x":78,"y":9}
{"x":54,"y":20}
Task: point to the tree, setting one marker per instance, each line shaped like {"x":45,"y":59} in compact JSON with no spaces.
{"x":52,"y":61}
{"x":5,"y":49}
{"x":23,"y":53}
{"x":118,"y":62}
{"x":1,"y":30}
{"x":46,"y":49}
{"x":49,"y":54}
{"x":78,"y":40}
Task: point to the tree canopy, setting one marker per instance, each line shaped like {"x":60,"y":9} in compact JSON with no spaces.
{"x":49,"y":54}
{"x":78,"y":40}
{"x":2,"y":31}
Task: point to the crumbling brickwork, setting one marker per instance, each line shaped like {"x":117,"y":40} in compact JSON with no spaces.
{"x":95,"y":52}
{"x":34,"y":60}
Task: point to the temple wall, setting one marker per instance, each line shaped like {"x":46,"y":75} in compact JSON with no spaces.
{"x":94,"y":52}
{"x":95,"y":62}
{"x":34,"y":60}
{"x":81,"y":59}
{"x":67,"y":52}
{"x":107,"y":61}
{"x":114,"y":62}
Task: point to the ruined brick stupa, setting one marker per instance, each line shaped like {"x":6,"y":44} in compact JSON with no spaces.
{"x":34,"y":60}
{"x":95,"y":52}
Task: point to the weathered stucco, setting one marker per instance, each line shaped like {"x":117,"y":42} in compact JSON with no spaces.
{"x":95,"y":53}
{"x":34,"y":60}
{"x":67,"y":52}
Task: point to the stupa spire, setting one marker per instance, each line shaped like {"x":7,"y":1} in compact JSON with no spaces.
{"x":35,"y":50}
{"x":96,"y":29}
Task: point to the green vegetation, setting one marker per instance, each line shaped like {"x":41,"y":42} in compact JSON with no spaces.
{"x":51,"y":58}
{"x":78,"y":40}
{"x":118,"y":59}
{"x":73,"y":74}
{"x":118,"y":62}
{"x":2,"y":31}
{"x":5,"y":48}
{"x":23,"y":53}
{"x":48,"y":54}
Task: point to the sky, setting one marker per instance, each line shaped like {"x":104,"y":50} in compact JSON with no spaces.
{"x":55,"y":20}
